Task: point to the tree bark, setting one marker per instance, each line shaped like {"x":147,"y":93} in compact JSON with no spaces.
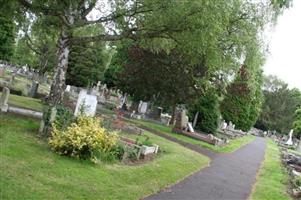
{"x":173,"y":116}
{"x":58,"y":85}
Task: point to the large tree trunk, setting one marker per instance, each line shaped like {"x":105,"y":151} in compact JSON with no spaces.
{"x":58,"y":85}
{"x":173,"y":116}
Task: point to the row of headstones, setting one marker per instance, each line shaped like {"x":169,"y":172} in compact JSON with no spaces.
{"x":225,"y":126}
{"x":145,"y":110}
{"x":24,"y":71}
{"x":99,"y":90}
{"x":87,"y":100}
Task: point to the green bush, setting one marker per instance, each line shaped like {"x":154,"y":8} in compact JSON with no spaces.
{"x":209,"y":113}
{"x":64,"y":117}
{"x":86,"y":139}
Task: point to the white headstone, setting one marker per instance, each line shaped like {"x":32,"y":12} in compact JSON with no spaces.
{"x":139,"y":106}
{"x":224,"y":125}
{"x":68,"y":87}
{"x":86,"y":103}
{"x":190,"y":128}
{"x":143,"y":107}
{"x":290,"y":139}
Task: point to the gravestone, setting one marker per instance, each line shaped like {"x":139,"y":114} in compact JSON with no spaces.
{"x":33,"y":89}
{"x":4,"y":99}
{"x":142,"y":108}
{"x":2,"y":71}
{"x":195,"y":119}
{"x":290,"y":139}
{"x":68,"y":88}
{"x":157,"y":112}
{"x":181,"y":120}
{"x":86,"y":103}
{"x":139,"y":106}
{"x":165,"y":119}
{"x":190,"y":128}
{"x":230,"y":126}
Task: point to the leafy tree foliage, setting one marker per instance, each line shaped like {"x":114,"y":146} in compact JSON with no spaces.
{"x":219,"y":31}
{"x":86,"y":65}
{"x":297,"y":123}
{"x":38,"y":41}
{"x":7,"y":36}
{"x":158,"y":76}
{"x":279,"y":106}
{"x":209,"y":112}
{"x":87,"y":61}
{"x":242,"y":102}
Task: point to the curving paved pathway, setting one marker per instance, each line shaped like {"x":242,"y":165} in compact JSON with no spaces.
{"x":229,"y":177}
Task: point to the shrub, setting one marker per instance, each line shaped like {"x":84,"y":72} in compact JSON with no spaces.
{"x":208,"y":107}
{"x":85,"y":138}
{"x":64,"y":117}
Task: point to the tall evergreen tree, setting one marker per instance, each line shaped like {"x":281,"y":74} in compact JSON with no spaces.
{"x":297,"y":123}
{"x":242,"y":102}
{"x":7,"y":32}
{"x":87,"y":64}
{"x":207,"y":106}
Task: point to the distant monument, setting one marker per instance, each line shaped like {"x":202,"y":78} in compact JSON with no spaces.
{"x":290,"y":139}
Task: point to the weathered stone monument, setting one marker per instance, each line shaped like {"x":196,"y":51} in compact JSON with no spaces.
{"x":2,"y":71}
{"x":156,"y":113}
{"x":4,"y":100}
{"x":165,"y":119}
{"x":142,"y":108}
{"x":68,"y":88}
{"x":181,"y":119}
{"x":86,"y":103}
{"x":33,"y":90}
{"x":195,"y":119}
{"x":290,"y":139}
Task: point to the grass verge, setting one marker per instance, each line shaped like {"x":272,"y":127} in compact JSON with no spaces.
{"x":232,"y":146}
{"x":25,"y":102}
{"x":271,"y":180}
{"x":29,"y":170}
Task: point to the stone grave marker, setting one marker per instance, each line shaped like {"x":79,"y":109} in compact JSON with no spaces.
{"x":33,"y":89}
{"x":165,"y":119}
{"x":4,"y":99}
{"x":290,"y":139}
{"x":86,"y":103}
{"x":68,"y":88}
{"x":181,"y":120}
{"x":143,"y":107}
{"x":2,"y":71}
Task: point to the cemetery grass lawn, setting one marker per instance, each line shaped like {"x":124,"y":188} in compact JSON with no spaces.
{"x":272,"y":180}
{"x":25,"y":102}
{"x":29,"y":170}
{"x":232,"y":146}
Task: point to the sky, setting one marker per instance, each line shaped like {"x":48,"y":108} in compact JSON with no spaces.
{"x":284,"y":58}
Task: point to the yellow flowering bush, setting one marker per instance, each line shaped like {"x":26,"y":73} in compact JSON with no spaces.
{"x":84,"y":138}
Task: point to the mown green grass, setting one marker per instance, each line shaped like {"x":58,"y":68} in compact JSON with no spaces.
{"x":272,"y":180}
{"x":232,"y":146}
{"x":25,"y":102}
{"x":29,"y":170}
